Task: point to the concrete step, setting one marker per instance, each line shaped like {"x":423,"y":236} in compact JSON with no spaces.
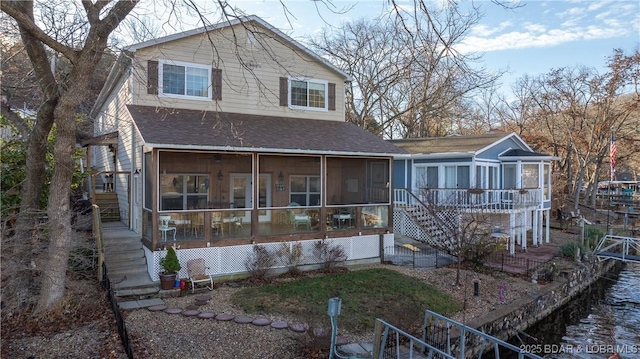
{"x":127,"y":271}
{"x":119,"y":246}
{"x":120,"y":263}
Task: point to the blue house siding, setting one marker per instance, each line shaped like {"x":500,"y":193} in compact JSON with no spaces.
{"x":399,"y":171}
{"x":494,"y":151}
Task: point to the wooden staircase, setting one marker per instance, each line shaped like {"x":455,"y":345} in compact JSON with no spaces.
{"x":109,"y":208}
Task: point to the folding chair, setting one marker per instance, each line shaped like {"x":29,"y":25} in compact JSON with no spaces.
{"x":198,"y":274}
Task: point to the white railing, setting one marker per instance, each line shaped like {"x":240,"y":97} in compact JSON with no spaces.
{"x":480,"y":199}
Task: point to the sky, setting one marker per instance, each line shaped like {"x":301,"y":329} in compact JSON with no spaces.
{"x":532,"y":39}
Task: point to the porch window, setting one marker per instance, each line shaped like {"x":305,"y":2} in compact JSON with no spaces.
{"x":309,"y":94}
{"x":183,"y":79}
{"x":456,"y":177}
{"x":546,"y":190}
{"x":426,"y":177}
{"x":305,"y":190}
{"x":183,"y":191}
{"x":530,"y":176}
{"x":509,"y":177}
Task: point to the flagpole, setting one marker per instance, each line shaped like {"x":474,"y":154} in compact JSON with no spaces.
{"x":612,"y":171}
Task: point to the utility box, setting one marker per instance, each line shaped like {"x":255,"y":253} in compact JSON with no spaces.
{"x":335,"y":304}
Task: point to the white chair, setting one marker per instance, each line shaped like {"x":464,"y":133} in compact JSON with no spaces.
{"x":198,"y":274}
{"x":165,"y":227}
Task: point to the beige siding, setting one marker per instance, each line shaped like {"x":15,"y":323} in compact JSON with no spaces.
{"x":266,"y":60}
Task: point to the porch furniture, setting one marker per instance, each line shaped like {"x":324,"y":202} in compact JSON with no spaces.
{"x":216,"y":223}
{"x":182,"y":222}
{"x":195,"y":224}
{"x":165,"y":227}
{"x":198,"y":275}
{"x":341,"y":219}
{"x":234,"y":222}
{"x":300,"y":219}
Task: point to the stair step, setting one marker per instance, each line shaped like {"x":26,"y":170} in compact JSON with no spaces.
{"x":126,"y":262}
{"x":140,"y":293}
{"x":126,"y":271}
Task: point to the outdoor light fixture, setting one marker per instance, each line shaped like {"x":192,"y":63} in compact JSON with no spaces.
{"x":281,"y":177}
{"x":220,"y":176}
{"x":136,"y":174}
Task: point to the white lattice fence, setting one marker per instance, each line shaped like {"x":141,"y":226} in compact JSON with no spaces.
{"x":420,"y":225}
{"x":232,"y":259}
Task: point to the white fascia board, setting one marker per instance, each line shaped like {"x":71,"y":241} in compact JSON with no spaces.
{"x":528,"y":158}
{"x":443,"y":155}
{"x":266,"y":150}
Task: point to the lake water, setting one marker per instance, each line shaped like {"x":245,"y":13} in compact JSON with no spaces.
{"x":602,"y":320}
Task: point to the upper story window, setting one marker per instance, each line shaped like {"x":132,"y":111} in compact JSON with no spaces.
{"x":307,"y":94}
{"x":184,"y":79}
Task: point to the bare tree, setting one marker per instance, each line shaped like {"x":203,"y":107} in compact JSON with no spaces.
{"x":82,"y":41}
{"x":408,"y":79}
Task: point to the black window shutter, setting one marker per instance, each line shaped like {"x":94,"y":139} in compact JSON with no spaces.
{"x":332,"y":97}
{"x":284,"y":91}
{"x":152,"y":77}
{"x":216,"y":82}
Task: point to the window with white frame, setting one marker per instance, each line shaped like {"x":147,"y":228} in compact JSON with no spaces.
{"x":183,"y":191}
{"x":305,"y":190}
{"x":180,"y":79}
{"x":308,"y":94}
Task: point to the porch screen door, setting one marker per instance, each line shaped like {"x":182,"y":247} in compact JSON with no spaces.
{"x":241,"y":194}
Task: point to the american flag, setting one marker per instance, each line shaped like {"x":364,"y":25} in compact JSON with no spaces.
{"x":612,"y":157}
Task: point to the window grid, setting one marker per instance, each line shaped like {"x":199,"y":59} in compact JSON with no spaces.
{"x":305,"y":190}
{"x":185,"y":80}
{"x":308,"y":93}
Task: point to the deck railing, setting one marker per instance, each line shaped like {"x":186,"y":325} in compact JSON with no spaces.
{"x":470,"y":198}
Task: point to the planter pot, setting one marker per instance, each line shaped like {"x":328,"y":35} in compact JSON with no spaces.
{"x":167,"y":281}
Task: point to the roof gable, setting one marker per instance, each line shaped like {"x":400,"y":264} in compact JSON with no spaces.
{"x":473,"y":144}
{"x":243,"y":20}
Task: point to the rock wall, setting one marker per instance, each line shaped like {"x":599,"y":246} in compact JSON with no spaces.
{"x":505,"y":321}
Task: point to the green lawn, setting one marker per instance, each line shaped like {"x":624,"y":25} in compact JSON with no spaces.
{"x":366,"y":295}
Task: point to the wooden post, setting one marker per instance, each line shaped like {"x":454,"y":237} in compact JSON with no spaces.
{"x":97,"y":232}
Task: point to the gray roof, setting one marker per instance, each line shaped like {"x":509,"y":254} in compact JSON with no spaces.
{"x":193,"y":129}
{"x":458,"y":144}
{"x":522,"y":153}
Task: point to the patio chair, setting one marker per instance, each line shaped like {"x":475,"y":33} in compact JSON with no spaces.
{"x":196,"y":269}
{"x":216,"y":223}
{"x":165,"y":227}
{"x":300,"y":219}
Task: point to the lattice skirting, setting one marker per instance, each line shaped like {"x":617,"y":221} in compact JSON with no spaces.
{"x":232,"y":259}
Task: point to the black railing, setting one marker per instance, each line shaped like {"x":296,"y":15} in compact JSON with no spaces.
{"x":122,"y":329}
{"x":509,"y":263}
{"x":422,"y":257}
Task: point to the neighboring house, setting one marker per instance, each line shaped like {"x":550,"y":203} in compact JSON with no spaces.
{"x":234,"y":135}
{"x":496,"y":174}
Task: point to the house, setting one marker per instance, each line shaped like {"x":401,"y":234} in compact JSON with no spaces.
{"x":234,"y":135}
{"x":496,"y":174}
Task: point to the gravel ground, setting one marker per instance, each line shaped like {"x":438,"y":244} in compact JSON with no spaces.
{"x":161,"y":335}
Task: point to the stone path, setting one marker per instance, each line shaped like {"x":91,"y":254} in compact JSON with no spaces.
{"x":226,"y":317}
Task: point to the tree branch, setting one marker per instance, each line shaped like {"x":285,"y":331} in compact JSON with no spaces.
{"x":22,"y":12}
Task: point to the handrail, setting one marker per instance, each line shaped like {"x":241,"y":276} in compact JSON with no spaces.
{"x":97,"y":232}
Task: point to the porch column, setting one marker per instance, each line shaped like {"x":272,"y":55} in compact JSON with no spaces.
{"x":547,"y":226}
{"x":512,"y":234}
{"x":523,"y":231}
{"x":534,"y":227}
{"x":540,"y":226}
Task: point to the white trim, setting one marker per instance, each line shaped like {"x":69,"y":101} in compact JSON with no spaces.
{"x":309,"y":81}
{"x":186,"y":65}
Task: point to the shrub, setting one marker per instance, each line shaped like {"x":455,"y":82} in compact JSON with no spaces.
{"x":170,"y":263}
{"x":569,"y":249}
{"x":329,"y":255}
{"x":478,"y":249}
{"x":259,"y":263}
{"x":290,"y":256}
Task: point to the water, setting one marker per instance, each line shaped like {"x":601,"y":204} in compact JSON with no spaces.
{"x":603,"y":320}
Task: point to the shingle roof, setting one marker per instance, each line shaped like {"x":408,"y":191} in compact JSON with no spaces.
{"x":179,"y":128}
{"x":447,"y":144}
{"x":522,"y":153}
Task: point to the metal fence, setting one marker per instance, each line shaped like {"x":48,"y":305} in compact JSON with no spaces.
{"x":416,"y":257}
{"x":122,"y":329}
{"x":516,"y":264}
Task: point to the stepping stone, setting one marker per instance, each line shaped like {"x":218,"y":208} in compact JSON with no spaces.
{"x":299,"y":328}
{"x":173,"y":310}
{"x":243,"y":320}
{"x":203,"y":298}
{"x":157,"y":308}
{"x":225,"y":317}
{"x":261,"y":322}
{"x":206,"y":315}
{"x":190,"y":313}
{"x":279,"y":325}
